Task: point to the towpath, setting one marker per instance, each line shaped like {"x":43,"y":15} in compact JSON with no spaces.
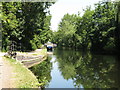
{"x":6,"y":74}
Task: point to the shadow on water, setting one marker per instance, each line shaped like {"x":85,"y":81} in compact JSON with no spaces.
{"x":42,"y":71}
{"x":79,"y":70}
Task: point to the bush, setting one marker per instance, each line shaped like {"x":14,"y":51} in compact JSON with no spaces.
{"x":110,"y":46}
{"x":34,"y":47}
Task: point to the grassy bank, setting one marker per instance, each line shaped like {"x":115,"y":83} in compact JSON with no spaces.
{"x":34,"y":53}
{"x":24,"y":78}
{"x":40,"y":52}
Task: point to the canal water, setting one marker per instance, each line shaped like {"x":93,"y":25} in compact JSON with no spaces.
{"x":78,"y":69}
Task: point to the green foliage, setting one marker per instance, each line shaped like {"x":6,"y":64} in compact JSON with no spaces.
{"x":103,"y":25}
{"x":67,"y":29}
{"x":117,"y":30}
{"x":84,"y":28}
{"x":33,"y":45}
{"x":26,"y":23}
{"x":9,"y":23}
{"x":110,"y":46}
{"x":42,"y":72}
{"x":93,"y":30}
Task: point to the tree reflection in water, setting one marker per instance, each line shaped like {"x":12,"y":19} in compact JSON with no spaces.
{"x":84,"y":68}
{"x":92,"y":71}
{"x":42,"y":72}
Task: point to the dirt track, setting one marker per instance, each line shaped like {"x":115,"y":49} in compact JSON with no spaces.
{"x":6,"y":74}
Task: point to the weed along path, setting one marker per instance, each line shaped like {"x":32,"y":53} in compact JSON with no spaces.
{"x":14,"y":74}
{"x":6,"y":74}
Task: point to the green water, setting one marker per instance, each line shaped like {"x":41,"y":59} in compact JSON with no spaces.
{"x":78,"y":69}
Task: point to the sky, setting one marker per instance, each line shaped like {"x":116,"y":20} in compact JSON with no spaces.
{"x":61,"y":7}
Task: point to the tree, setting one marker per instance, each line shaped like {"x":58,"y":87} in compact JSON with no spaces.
{"x":117,"y":30}
{"x":25,"y":23}
{"x":103,"y":25}
{"x":10,"y":23}
{"x":67,"y":29}
{"x":95,"y":30}
{"x":84,"y":28}
{"x":36,"y":24}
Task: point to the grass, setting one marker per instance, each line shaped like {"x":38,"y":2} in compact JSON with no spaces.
{"x":42,"y":52}
{"x":24,"y":78}
{"x":35,"y":53}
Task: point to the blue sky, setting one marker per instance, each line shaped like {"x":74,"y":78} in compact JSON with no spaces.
{"x":61,"y":7}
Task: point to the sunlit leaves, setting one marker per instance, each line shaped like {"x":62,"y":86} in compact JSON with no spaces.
{"x":26,"y":23}
{"x":67,"y":30}
{"x":91,"y":31}
{"x":103,"y":21}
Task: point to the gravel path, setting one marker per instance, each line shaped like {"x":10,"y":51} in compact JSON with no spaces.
{"x":6,"y":74}
{"x":6,"y":71}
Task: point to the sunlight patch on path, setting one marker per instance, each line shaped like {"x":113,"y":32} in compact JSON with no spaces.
{"x":5,"y":74}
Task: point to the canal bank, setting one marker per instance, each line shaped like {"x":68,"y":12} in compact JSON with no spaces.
{"x":19,"y":76}
{"x":5,"y":74}
{"x":30,"y":59}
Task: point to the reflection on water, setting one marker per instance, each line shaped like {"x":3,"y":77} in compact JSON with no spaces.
{"x":42,"y":71}
{"x":73,"y":69}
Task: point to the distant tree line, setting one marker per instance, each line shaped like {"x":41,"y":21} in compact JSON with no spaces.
{"x":26,"y":23}
{"x":97,"y":29}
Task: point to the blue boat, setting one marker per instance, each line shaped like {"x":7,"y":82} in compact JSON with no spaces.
{"x":49,"y":48}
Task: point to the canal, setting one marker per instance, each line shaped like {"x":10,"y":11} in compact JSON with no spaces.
{"x":78,"y":69}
